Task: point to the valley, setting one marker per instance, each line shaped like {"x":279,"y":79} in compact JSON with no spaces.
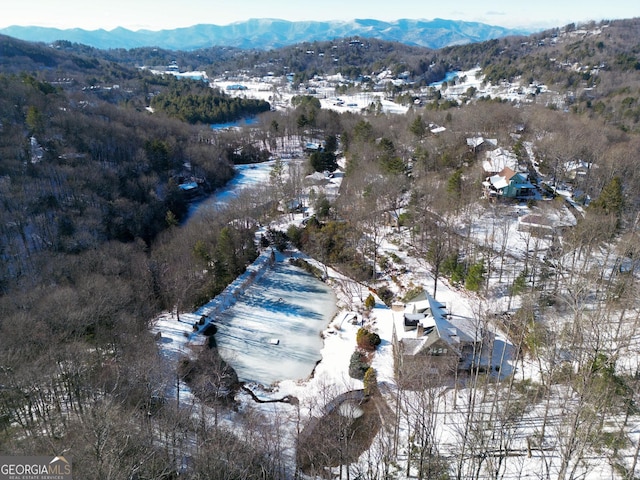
{"x":450,"y":265}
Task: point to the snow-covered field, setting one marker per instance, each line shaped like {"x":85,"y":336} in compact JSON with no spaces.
{"x":280,"y":96}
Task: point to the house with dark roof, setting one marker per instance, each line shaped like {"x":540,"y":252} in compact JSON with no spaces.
{"x":427,"y":341}
{"x":480,"y":144}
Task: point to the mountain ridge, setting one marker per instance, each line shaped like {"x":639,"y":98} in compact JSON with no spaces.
{"x":270,"y":33}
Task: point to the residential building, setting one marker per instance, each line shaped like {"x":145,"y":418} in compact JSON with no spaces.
{"x":427,"y":342}
{"x":508,"y":184}
{"x":499,"y":159}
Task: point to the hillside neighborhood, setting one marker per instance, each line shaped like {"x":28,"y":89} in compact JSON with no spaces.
{"x":318,"y":262}
{"x":453,"y":338}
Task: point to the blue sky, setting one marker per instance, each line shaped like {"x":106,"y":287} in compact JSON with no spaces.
{"x":167,"y":14}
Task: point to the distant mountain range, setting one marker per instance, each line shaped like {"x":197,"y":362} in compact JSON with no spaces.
{"x":271,"y":33}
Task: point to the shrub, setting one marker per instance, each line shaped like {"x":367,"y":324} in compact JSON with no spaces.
{"x":367,"y":340}
{"x":370,"y":302}
{"x":370,"y":382}
{"x":404,"y":219}
{"x":395,"y":258}
{"x":321,"y":161}
{"x":412,"y":293}
{"x":295,"y":235}
{"x":322,"y":206}
{"x":519,"y":284}
{"x":358,"y":365}
{"x":386,"y":295}
{"x":384,"y":263}
{"x":277,"y":238}
{"x":309,"y":268}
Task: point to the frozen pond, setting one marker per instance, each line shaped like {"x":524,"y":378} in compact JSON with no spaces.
{"x":238,"y":123}
{"x":272,"y":332}
{"x":246,"y":176}
{"x":447,"y":78}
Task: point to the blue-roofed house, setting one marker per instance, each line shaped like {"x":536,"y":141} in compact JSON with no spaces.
{"x":508,"y":184}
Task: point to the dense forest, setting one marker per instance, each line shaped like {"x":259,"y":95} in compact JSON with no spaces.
{"x":196,"y":102}
{"x":95,"y":243}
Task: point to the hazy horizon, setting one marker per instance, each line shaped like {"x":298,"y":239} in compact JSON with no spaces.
{"x":165,"y":15}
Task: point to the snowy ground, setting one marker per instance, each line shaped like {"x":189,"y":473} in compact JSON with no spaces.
{"x":497,"y":228}
{"x":279,"y":92}
{"x":357,"y":102}
{"x":474,"y":78}
{"x":281,"y":95}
